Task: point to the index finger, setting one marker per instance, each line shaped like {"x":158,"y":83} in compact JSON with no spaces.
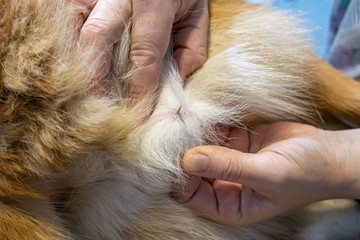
{"x":190,"y":39}
{"x":151,"y":30}
{"x":101,"y":31}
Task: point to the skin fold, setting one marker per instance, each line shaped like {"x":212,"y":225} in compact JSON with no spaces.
{"x":152,"y":25}
{"x":270,"y":170}
{"x":76,"y":164}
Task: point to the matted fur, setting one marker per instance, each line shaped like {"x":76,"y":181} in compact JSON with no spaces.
{"x":76,"y":165}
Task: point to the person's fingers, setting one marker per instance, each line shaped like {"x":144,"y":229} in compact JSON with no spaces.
{"x":228,"y":197}
{"x":151,"y":30}
{"x":225,"y":202}
{"x":190,"y":39}
{"x":227,"y":164}
{"x":81,"y":10}
{"x":182,"y":192}
{"x":204,"y":201}
{"x":101,"y":31}
{"x":106,"y":22}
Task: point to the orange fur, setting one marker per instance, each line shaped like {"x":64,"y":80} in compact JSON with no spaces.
{"x":58,"y":137}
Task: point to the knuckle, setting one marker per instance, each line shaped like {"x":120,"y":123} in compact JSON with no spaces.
{"x":96,"y":26}
{"x":156,"y":5}
{"x":145,"y":54}
{"x":232,"y":170}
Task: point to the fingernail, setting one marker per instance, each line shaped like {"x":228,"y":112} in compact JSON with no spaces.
{"x":196,"y":162}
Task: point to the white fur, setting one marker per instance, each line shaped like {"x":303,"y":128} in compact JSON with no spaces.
{"x":124,"y":190}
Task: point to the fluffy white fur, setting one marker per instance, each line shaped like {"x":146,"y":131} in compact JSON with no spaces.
{"x":127,"y":194}
{"x":120,"y":188}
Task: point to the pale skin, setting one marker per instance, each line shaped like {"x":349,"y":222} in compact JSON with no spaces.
{"x":153,"y":23}
{"x":270,"y":170}
{"x":282,"y":166}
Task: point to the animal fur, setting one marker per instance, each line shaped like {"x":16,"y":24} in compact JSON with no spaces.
{"x":76,"y":165}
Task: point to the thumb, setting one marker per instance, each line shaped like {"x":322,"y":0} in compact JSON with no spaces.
{"x":224,"y":164}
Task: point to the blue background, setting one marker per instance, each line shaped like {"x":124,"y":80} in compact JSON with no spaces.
{"x":316,"y":12}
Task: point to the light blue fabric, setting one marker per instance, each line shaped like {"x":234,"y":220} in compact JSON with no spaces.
{"x":344,"y":44}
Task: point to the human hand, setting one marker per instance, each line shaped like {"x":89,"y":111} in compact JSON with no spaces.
{"x":152,"y":25}
{"x":270,"y":170}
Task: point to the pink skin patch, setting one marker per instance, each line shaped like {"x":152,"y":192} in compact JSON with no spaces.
{"x":181,"y":112}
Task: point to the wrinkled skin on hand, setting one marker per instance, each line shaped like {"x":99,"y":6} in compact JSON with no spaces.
{"x":270,"y":170}
{"x":153,"y":22}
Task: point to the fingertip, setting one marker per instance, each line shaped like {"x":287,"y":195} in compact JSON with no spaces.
{"x":141,"y":87}
{"x":204,"y":160}
{"x":180,"y":65}
{"x":195,"y":161}
{"x":190,"y":39}
{"x":200,"y":156}
{"x":187,"y":61}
